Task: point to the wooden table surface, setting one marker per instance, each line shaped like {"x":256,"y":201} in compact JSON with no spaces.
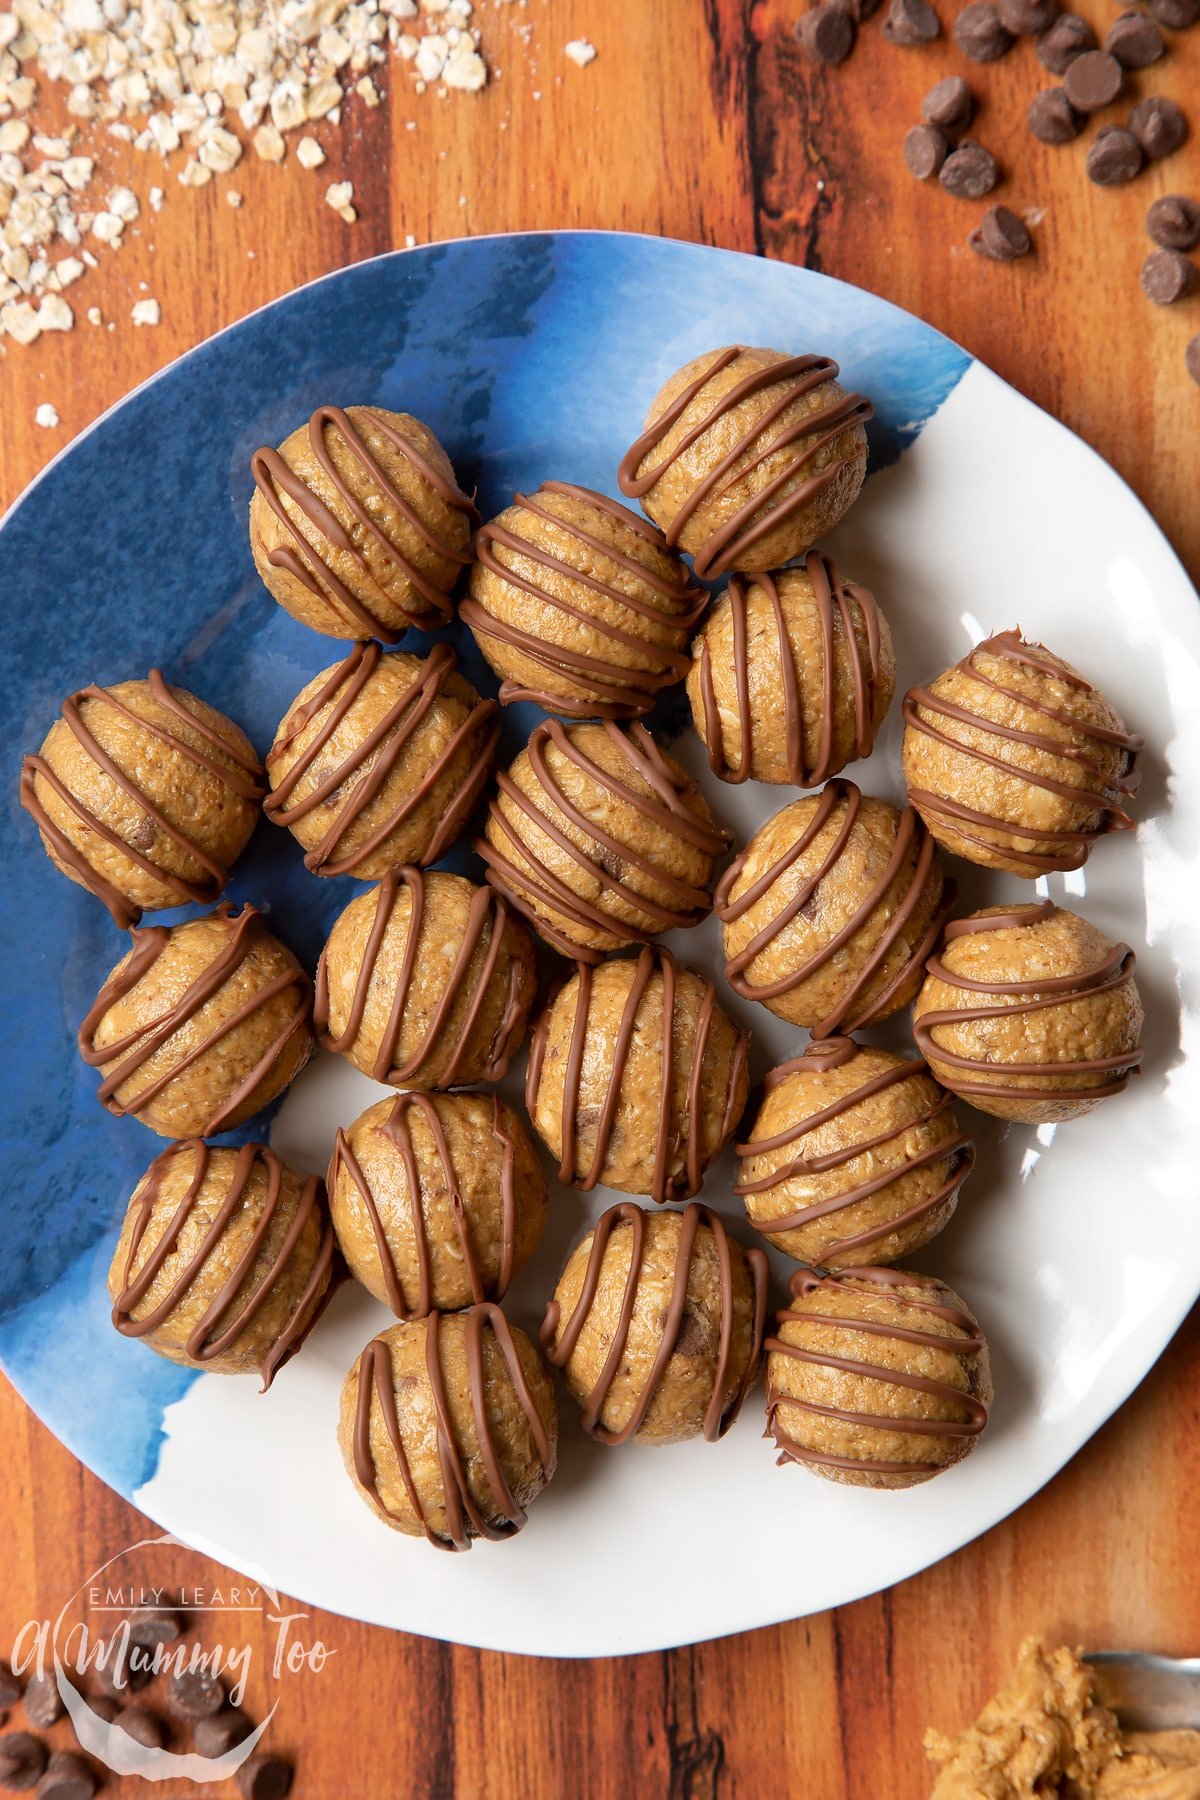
{"x":696,"y":120}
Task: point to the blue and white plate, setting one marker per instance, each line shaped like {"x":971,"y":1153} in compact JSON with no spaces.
{"x":533,"y":358}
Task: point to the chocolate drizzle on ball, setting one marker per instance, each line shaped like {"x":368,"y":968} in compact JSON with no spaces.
{"x":721,"y":1410}
{"x":534,"y":887}
{"x":397,"y":1129}
{"x":464,"y":1519}
{"x":232,"y":762}
{"x":1100,"y":793}
{"x":618,"y":690}
{"x":128,"y":1054}
{"x":652,"y":961}
{"x":1036,"y":995}
{"x":833,"y":1053}
{"x":231,"y":1310}
{"x":367,"y":768}
{"x":726,"y":547}
{"x":851,"y":1011}
{"x":915,"y":1297}
{"x":487,"y":918}
{"x":303,"y":559}
{"x":832,"y":596}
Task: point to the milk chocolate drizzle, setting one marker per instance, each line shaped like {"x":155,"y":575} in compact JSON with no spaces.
{"x":914,"y":1297}
{"x":464,"y":1517}
{"x":487,"y":923}
{"x":652,"y":961}
{"x":368,"y":767}
{"x":806,"y":437}
{"x":617,"y":688}
{"x":397,"y":1129}
{"x":1035,"y":995}
{"x":833,"y":597}
{"x":723,"y":1406}
{"x":234,"y":763}
{"x":533,"y":888}
{"x":128,"y":1054}
{"x":224,"y":1320}
{"x":1100,"y":792}
{"x":851,"y":1011}
{"x":956,"y":1149}
{"x":303,"y":559}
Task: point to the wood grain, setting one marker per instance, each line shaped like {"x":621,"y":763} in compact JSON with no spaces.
{"x":697,"y":121}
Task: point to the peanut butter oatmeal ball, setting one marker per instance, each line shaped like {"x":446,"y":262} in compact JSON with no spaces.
{"x":600,"y":839}
{"x":791,"y":675}
{"x":448,"y":1427}
{"x":426,"y":981}
{"x":657,"y":1325}
{"x":855,"y":1156}
{"x":224,"y":1259}
{"x":200,"y":1025}
{"x":831,"y":910}
{"x":144,"y":795}
{"x":357,"y":524}
{"x":1030,"y":1013}
{"x":748,"y":457}
{"x":437,"y":1200}
{"x":380,"y":761}
{"x":579,"y":605}
{"x":1014,"y":761}
{"x":876,"y":1377}
{"x":636,"y":1079}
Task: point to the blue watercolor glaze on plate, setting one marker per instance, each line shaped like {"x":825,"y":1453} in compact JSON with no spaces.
{"x":532,"y":358}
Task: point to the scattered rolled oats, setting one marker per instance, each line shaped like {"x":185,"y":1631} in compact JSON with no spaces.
{"x":339,"y":195}
{"x":146,"y":312}
{"x":268,"y":144}
{"x":309,"y":153}
{"x":581,"y":52}
{"x":233,"y":197}
{"x":46,"y":416}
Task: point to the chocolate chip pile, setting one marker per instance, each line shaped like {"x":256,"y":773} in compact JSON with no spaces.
{"x":193,"y":1703}
{"x":1092,"y":76}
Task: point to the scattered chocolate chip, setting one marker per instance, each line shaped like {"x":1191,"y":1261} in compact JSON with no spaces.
{"x":264,"y":1778}
{"x":1174,"y":222}
{"x":1114,"y":158}
{"x":970,"y":172}
{"x":1159,"y":126}
{"x":103,"y":1707}
{"x":150,"y":1629}
{"x":1192,"y":358}
{"x":926,"y":148}
{"x":67,"y":1777}
{"x":1135,"y":41}
{"x":1025,"y":18}
{"x":827,"y":34}
{"x":213,"y":1737}
{"x":1001,"y":235}
{"x":1052,"y":118}
{"x":22,"y":1759}
{"x":858,"y":9}
{"x":1093,"y":80}
{"x":949,"y":103}
{"x":979,"y":33}
{"x":910,"y":23}
{"x":43,"y":1702}
{"x":10,"y":1691}
{"x":1167,"y":276}
{"x":1176,"y":15}
{"x":1066,"y":39}
{"x":114,"y":1676}
{"x":141,"y":1726}
{"x":194,"y":1694}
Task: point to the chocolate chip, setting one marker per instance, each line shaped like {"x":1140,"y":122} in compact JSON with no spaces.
{"x":194,"y":1694}
{"x":1025,"y":18}
{"x":1167,"y":276}
{"x":264,"y":1778}
{"x":1114,"y":158}
{"x":1174,"y":222}
{"x":215,"y":1736}
{"x":150,"y":1629}
{"x":123,"y":1670}
{"x":1052,"y":118}
{"x":926,"y":148}
{"x":1134,"y":40}
{"x":858,"y":9}
{"x":1192,"y":358}
{"x":10,"y":1691}
{"x":949,"y":103}
{"x":1176,"y":15}
{"x":1001,"y":236}
{"x":910,"y":22}
{"x":141,"y":1726}
{"x":67,"y":1777}
{"x":103,"y":1707}
{"x":979,"y":33}
{"x":1159,"y":126}
{"x":1066,"y":39}
{"x":827,"y":34}
{"x":43,"y":1702}
{"x":1093,"y":80}
{"x":22,"y":1759}
{"x":970,"y":172}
